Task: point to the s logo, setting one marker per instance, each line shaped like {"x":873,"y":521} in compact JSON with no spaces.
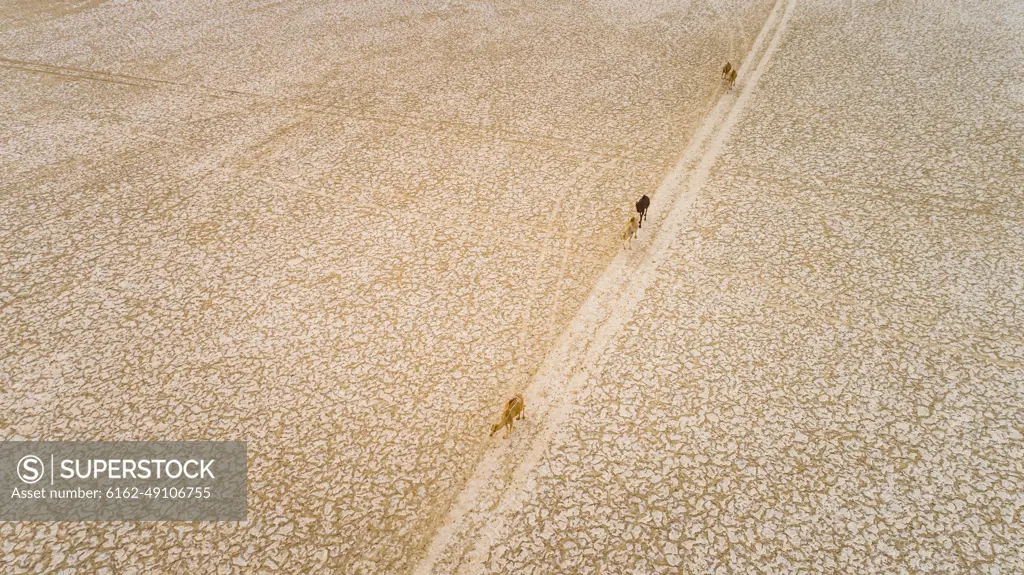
{"x":30,"y":469}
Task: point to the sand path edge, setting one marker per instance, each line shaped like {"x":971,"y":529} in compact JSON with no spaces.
{"x":475,"y":521}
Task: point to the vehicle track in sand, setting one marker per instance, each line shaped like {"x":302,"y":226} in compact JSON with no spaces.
{"x":476,"y":519}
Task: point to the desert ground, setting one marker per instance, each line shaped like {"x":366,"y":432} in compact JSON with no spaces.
{"x":347,"y":232}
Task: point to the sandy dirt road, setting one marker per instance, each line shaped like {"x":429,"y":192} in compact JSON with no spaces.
{"x":506,"y":477}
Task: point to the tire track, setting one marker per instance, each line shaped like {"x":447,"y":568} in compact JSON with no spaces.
{"x":551,"y":143}
{"x":503,"y":478}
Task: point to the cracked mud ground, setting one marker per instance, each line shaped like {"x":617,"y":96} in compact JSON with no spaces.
{"x":343,"y":232}
{"x":346,"y":233}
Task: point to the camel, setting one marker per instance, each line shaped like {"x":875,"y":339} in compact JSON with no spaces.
{"x":513,"y":410}
{"x":630,"y":232}
{"x":641,"y":208}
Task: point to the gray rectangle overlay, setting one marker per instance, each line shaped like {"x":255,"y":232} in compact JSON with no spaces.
{"x":123,"y":481}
